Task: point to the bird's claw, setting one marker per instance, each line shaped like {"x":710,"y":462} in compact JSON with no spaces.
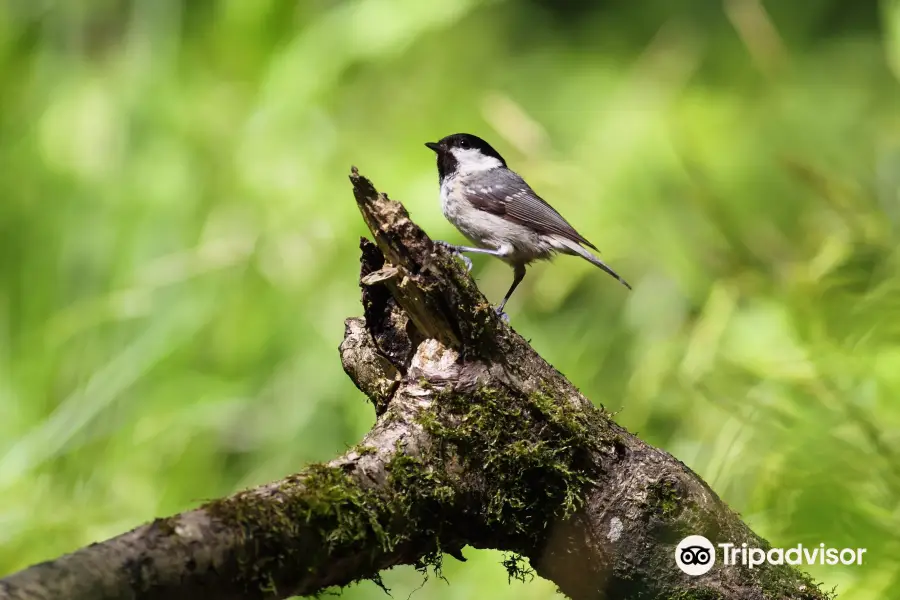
{"x":456,"y":252}
{"x":503,"y":316}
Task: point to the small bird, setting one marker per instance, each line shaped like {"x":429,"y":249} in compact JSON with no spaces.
{"x":494,"y":207}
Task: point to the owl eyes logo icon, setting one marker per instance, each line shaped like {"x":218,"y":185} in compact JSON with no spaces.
{"x":695,"y":555}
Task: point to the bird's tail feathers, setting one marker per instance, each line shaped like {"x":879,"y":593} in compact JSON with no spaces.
{"x":571,"y":247}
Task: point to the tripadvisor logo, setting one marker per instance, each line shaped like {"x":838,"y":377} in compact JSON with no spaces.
{"x":696,"y":555}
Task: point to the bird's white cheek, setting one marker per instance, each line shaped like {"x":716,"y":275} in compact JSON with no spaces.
{"x":473,"y":161}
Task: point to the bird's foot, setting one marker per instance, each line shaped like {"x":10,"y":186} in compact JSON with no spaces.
{"x":457,"y":252}
{"x":503,"y":316}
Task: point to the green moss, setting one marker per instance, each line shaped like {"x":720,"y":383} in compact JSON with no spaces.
{"x":324,"y":516}
{"x":532,"y":456}
{"x":664,"y":498}
{"x":517,"y":568}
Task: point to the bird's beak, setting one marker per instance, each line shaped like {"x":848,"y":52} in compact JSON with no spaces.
{"x":433,"y":145}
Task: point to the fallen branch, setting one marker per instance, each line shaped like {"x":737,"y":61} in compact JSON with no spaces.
{"x":478,"y":441}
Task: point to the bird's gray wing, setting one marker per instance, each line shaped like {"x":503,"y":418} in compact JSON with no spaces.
{"x":502,"y":192}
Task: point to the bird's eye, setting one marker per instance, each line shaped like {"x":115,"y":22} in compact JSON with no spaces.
{"x":463,"y":143}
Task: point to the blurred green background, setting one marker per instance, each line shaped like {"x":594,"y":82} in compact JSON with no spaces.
{"x":178,"y":245}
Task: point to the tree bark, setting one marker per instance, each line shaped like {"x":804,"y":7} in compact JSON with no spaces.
{"x":478,"y":441}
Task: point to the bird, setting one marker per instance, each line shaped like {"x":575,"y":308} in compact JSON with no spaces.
{"x":498,"y":211}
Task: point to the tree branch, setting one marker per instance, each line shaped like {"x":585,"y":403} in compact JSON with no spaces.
{"x":478,"y":441}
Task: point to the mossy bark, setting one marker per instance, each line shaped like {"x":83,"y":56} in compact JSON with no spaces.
{"x":478,"y":441}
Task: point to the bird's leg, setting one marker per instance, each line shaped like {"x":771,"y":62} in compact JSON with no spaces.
{"x":518,"y":276}
{"x":458,"y":251}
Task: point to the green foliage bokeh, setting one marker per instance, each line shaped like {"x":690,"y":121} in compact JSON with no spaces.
{"x":179,"y":245}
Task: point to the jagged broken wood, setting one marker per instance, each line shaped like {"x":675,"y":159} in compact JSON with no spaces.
{"x":478,"y":441}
